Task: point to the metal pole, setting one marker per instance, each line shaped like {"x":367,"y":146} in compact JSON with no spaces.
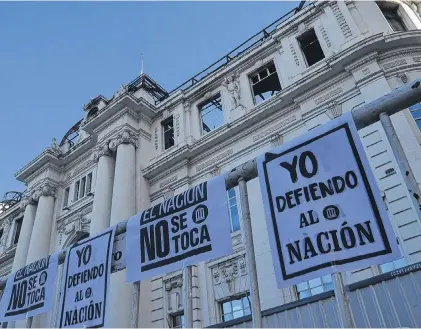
{"x":188,"y":296}
{"x":342,"y":301}
{"x":29,"y":322}
{"x":251,"y":260}
{"x":403,"y":163}
{"x":135,"y":305}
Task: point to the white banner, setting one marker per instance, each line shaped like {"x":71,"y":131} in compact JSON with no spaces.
{"x":30,"y":290}
{"x":85,"y":282}
{"x":323,"y":208}
{"x":186,"y":229}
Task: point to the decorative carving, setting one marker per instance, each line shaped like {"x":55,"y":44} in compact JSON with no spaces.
{"x":404,"y":77}
{"x":45,"y":189}
{"x":276,"y":139}
{"x":126,"y":136}
{"x":156,"y":138}
{"x":415,"y":5}
{"x":233,"y":87}
{"x":54,"y":146}
{"x":416,"y":59}
{"x":177,"y":125}
{"x":329,"y":95}
{"x":7,"y":224}
{"x":121,"y":91}
{"x":325,"y":36}
{"x":173,"y":291}
{"x":229,"y":271}
{"x":27,"y":199}
{"x":346,"y":30}
{"x":398,"y":62}
{"x":215,"y":171}
{"x":366,"y":70}
{"x":214,"y":160}
{"x":334,"y":110}
{"x":168,"y":181}
{"x":294,"y":54}
{"x":274,"y":128}
{"x":236,"y":240}
{"x":104,"y":149}
{"x":187,"y":105}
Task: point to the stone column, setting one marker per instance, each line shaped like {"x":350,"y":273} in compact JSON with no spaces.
{"x":25,"y":233}
{"x":39,"y":245}
{"x":123,"y":207}
{"x":104,"y":181}
{"x":187,"y":123}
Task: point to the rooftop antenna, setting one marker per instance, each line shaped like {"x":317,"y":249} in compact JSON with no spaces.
{"x":141,"y":69}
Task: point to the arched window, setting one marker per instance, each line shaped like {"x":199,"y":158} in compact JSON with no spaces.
{"x":92,"y":112}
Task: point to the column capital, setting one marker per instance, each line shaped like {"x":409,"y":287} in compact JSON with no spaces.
{"x":187,"y":105}
{"x":28,"y":198}
{"x":46,"y":188}
{"x":125,"y":136}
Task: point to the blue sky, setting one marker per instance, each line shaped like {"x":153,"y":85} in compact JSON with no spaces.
{"x":55,"y":56}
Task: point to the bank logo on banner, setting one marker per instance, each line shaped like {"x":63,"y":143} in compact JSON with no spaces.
{"x":85,"y":282}
{"x":30,"y":290}
{"x":188,"y":228}
{"x":322,"y":205}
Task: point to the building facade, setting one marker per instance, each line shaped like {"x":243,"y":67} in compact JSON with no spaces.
{"x":144,"y":144}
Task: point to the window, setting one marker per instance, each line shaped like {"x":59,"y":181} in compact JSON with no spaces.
{"x":177,"y":320}
{"x":88,"y":183}
{"x":66,"y":197}
{"x":392,"y":16}
{"x":310,"y":47}
{"x":92,"y":112}
{"x":233,"y":210}
{"x":314,"y":286}
{"x":1,"y":233}
{"x":168,"y":129}
{"x":416,"y":114}
{"x":82,"y":187}
{"x":265,"y":83}
{"x":235,"y":308}
{"x":17,"y":231}
{"x":212,"y":114}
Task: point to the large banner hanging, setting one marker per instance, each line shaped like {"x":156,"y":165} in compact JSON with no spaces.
{"x":85,"y":282}
{"x":30,"y":290}
{"x":323,"y":208}
{"x":188,"y":228}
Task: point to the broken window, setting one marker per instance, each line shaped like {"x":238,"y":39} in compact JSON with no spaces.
{"x":212,"y":114}
{"x":168,"y":129}
{"x":392,"y":16}
{"x":310,"y":47}
{"x":265,"y":83}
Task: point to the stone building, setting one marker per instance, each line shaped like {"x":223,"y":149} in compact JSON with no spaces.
{"x":143,"y":144}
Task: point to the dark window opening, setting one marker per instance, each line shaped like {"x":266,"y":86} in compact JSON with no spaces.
{"x":168,"y":128}
{"x":89,"y":183}
{"x":66,"y":197}
{"x":177,"y":321}
{"x":212,"y":114}
{"x":393,"y":18}
{"x":265,"y":83}
{"x":82,"y":187}
{"x":236,"y":308}
{"x":93,"y":112}
{"x":1,"y":233}
{"x":76,"y":192}
{"x":310,"y":47}
{"x":17,"y":231}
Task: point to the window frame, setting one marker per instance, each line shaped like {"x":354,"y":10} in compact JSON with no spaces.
{"x":201,"y":106}
{"x":173,"y":316}
{"x":80,"y":187}
{"x":66,"y":196}
{"x":390,"y":10}
{"x":17,"y":231}
{"x":309,"y":288}
{"x":163,"y":123}
{"x":230,"y":300}
{"x":237,"y":205}
{"x":302,"y":50}
{"x":256,"y":72}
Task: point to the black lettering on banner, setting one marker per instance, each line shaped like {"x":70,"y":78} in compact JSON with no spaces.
{"x":70,"y":313}
{"x":345,"y":236}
